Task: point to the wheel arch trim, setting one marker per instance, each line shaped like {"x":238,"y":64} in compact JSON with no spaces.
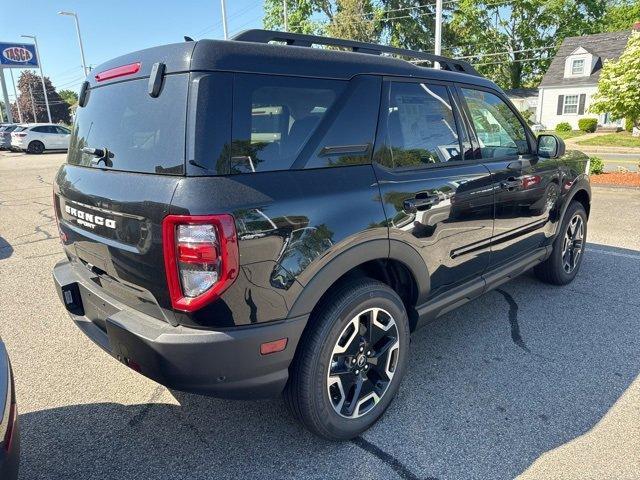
{"x":380,"y":249}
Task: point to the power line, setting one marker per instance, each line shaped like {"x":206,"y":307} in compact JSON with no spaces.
{"x":504,"y":52}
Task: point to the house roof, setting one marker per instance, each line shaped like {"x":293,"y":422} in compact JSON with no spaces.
{"x":602,"y":45}
{"x":522,"y":92}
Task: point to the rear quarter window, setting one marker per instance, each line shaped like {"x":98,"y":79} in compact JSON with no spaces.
{"x":141,"y":133}
{"x":274,"y":117}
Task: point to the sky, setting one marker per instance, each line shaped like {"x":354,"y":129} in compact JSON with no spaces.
{"x":114,"y":27}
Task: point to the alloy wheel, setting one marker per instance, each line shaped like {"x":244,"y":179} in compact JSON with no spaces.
{"x":573,"y":243}
{"x":363,"y":362}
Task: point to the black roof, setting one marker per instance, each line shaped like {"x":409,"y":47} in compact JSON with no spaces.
{"x":268,"y":58}
{"x":602,"y":45}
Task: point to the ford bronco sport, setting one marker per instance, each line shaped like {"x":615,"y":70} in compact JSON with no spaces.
{"x":253,"y":217}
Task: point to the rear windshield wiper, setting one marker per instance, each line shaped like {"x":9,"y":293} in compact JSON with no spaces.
{"x":101,"y":154}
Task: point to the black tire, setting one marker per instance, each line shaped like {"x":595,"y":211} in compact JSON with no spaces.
{"x":553,"y":270}
{"x":36,"y":147}
{"x":307,"y":393}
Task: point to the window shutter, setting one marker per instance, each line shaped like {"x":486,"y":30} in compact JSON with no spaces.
{"x":560,"y":104}
{"x":583,"y":98}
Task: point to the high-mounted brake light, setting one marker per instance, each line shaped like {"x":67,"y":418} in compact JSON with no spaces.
{"x":200,"y":258}
{"x":120,"y":71}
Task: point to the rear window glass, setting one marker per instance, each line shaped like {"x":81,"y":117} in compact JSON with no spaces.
{"x":139,"y":133}
{"x":273,"y":117}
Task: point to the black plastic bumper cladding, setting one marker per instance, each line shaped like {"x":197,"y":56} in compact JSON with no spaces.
{"x":219,"y":363}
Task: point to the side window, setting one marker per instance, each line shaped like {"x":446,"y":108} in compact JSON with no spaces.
{"x":62,"y":130}
{"x":500,"y":132}
{"x":43,"y":129}
{"x":273,"y":117}
{"x":420,"y":126}
{"x":350,"y":127}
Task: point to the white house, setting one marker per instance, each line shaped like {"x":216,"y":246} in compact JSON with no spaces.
{"x":524,"y":99}
{"x":567,"y":88}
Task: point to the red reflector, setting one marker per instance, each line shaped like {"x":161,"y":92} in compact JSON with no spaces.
{"x":273,"y":347}
{"x":118,"y":72}
{"x":197,"y":253}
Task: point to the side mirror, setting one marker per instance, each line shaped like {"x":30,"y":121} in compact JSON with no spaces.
{"x":550,"y":146}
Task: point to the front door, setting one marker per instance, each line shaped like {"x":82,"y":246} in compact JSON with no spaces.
{"x":526,"y":187}
{"x":436,"y":196}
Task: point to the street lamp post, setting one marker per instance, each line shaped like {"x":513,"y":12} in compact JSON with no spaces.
{"x":44,"y":87}
{"x":224,"y":18}
{"x":438,"y":31}
{"x":15,"y":94}
{"x":75,"y":17}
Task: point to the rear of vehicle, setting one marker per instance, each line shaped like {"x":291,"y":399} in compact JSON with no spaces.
{"x":144,"y":277}
{"x":5,"y":136}
{"x":9,"y":436}
{"x":18,"y":137}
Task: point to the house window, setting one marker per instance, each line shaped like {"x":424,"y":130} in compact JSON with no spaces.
{"x":577,"y":67}
{"x":570,"y":104}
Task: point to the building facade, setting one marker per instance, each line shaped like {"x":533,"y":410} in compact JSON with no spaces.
{"x":567,"y":89}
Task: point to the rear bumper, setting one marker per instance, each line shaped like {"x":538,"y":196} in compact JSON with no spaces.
{"x":222,"y":363}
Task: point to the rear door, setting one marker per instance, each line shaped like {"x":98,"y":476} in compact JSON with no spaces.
{"x":437,"y":198}
{"x":111,"y":203}
{"x":526,"y":186}
{"x":62,"y":137}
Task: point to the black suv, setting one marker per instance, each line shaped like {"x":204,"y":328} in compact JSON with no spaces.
{"x":250,"y":217}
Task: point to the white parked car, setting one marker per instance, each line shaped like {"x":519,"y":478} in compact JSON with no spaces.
{"x":38,"y":137}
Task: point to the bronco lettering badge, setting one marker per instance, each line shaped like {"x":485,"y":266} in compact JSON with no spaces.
{"x":89,"y":220}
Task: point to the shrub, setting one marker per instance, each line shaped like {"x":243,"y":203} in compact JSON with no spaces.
{"x":563,"y":127}
{"x":588,"y":125}
{"x":628,"y":125}
{"x":596,"y":166}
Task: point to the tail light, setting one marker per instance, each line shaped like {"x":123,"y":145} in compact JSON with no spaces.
{"x":200,"y":258}
{"x":20,"y":134}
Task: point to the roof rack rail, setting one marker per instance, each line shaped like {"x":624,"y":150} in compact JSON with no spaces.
{"x":302,"y":40}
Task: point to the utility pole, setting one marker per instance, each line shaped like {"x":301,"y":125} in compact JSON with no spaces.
{"x":33,"y":105}
{"x":15,"y":93}
{"x":5,"y":95}
{"x":286,"y":15}
{"x":438,"y":31}
{"x":75,"y":17}
{"x":224,"y":19}
{"x":44,"y":87}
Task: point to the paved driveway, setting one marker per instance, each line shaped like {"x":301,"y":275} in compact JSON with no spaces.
{"x":528,"y":380}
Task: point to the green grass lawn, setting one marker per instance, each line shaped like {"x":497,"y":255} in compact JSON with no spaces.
{"x":564,"y":135}
{"x":620,"y":139}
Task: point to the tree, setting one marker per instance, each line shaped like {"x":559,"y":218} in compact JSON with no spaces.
{"x":30,"y":86}
{"x":513,"y":43}
{"x":299,"y":16}
{"x":620,"y":15}
{"x":69,"y":96}
{"x":354,"y":20}
{"x":619,"y":85}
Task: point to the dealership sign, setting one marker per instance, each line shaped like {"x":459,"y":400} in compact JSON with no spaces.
{"x":18,"y":55}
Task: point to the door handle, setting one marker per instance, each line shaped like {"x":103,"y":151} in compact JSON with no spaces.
{"x":510,"y":183}
{"x":416,"y":204}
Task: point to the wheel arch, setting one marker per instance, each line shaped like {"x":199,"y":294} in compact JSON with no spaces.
{"x":394,"y":263}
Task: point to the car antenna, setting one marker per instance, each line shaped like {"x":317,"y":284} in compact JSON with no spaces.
{"x":188,"y":39}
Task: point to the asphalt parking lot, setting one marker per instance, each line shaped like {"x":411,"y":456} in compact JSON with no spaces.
{"x":528,"y":380}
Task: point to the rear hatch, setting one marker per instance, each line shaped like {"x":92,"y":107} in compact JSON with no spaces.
{"x":126,"y":156}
